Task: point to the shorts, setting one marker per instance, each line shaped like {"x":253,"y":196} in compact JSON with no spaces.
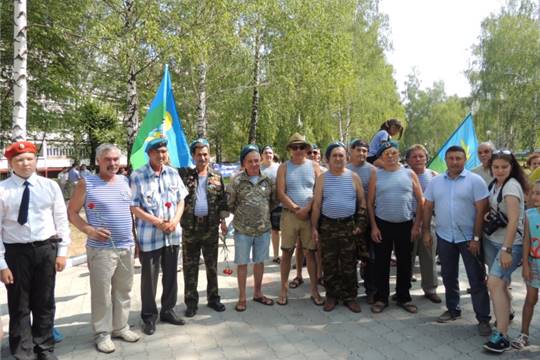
{"x":496,"y":268}
{"x":275,"y":218}
{"x":490,"y":251}
{"x":243,"y":245}
{"x":293,"y":229}
{"x":534,"y":264}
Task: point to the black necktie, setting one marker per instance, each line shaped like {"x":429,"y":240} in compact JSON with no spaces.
{"x":25,"y":201}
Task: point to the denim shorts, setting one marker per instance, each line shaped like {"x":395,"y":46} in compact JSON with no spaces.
{"x":496,"y":268}
{"x":243,"y":245}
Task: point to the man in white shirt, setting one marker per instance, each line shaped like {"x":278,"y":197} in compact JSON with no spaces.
{"x":34,"y":242}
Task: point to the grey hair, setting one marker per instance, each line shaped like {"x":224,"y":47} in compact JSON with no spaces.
{"x":489,"y":144}
{"x":105,"y":148}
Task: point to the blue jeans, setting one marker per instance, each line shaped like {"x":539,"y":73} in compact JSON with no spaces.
{"x":476,"y":274}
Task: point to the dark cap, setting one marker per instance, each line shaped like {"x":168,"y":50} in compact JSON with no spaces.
{"x":246,"y":150}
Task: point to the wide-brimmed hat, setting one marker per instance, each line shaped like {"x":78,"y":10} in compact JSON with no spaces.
{"x":297,"y":139}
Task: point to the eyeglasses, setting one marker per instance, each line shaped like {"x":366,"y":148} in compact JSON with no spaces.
{"x":298,"y":147}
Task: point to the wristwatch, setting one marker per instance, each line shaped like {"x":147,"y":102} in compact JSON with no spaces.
{"x":507,"y":249}
{"x":476,"y":238}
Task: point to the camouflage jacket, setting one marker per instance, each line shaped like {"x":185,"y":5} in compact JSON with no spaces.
{"x":251,"y":203}
{"x":215,"y":194}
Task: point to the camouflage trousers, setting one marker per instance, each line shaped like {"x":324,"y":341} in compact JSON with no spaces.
{"x":339,"y":258}
{"x":192,"y":243}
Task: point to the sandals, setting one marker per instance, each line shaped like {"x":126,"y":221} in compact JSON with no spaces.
{"x":297,"y":281}
{"x":378,"y":307}
{"x":240,"y":306}
{"x":264,"y":300}
{"x":317,"y":302}
{"x":408,"y":307}
{"x":276,"y":260}
{"x":283,"y":300}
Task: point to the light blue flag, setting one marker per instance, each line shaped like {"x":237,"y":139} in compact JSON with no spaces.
{"x":463,"y":136}
{"x":162,"y":120}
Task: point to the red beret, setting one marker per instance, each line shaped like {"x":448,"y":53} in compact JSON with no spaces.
{"x":18,"y":148}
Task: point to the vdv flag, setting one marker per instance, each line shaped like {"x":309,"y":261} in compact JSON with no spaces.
{"x":464,"y":136}
{"x":162,"y":120}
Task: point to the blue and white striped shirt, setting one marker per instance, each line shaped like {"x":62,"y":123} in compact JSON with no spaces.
{"x":107,"y":206}
{"x":394,"y":193}
{"x":424,"y":179}
{"x":364,"y":171}
{"x":339,"y":195}
{"x":300,"y":180}
{"x":151,"y":193}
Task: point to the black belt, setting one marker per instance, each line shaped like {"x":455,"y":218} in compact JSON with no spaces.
{"x":35,"y":244}
{"x":201,"y":219}
{"x":338,"y":220}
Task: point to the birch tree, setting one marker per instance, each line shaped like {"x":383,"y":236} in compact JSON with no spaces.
{"x":20,"y":49}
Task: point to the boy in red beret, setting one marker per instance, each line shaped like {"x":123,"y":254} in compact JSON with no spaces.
{"x":34,"y":238}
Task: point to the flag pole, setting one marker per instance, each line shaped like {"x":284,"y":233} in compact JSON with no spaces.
{"x":448,"y":139}
{"x":165,"y":90}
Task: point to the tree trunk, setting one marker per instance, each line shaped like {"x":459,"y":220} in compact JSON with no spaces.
{"x":132,"y":116}
{"x":252,"y":139}
{"x":18,"y":130}
{"x":340,"y":124}
{"x":202,"y":124}
{"x":347,"y":124}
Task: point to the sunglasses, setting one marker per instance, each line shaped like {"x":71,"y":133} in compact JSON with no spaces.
{"x":298,"y":147}
{"x":502,"y":152}
{"x":312,"y":152}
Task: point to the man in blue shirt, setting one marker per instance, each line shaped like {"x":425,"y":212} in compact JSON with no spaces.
{"x":459,"y":199}
{"x":158,"y":202}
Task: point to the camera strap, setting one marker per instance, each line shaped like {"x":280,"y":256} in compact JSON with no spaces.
{"x":500,"y":198}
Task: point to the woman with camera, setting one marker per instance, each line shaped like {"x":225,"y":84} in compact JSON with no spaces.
{"x":503,"y":231}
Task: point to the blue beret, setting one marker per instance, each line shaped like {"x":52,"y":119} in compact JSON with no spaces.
{"x":246,"y":150}
{"x":387,"y":145}
{"x":358,"y":143}
{"x":156,"y":143}
{"x":331,"y":147}
{"x":199,"y":142}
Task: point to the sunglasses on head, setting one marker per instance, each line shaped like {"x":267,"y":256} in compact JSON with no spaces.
{"x":502,"y":152}
{"x":298,"y":147}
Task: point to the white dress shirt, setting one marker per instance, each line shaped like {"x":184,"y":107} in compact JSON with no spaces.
{"x":47,"y":215}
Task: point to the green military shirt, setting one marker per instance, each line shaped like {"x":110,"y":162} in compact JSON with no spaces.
{"x":215,"y":194}
{"x":251,"y":203}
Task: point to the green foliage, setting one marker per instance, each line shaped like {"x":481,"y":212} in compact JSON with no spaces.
{"x":506,"y":77}
{"x":432,"y":116}
{"x":321,"y":61}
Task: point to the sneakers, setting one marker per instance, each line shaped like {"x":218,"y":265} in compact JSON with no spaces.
{"x":520,"y":342}
{"x":497,"y":343}
{"x":127,"y":335}
{"x":447,"y":316}
{"x":105,"y":345}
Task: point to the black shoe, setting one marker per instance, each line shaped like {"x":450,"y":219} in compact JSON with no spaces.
{"x":46,"y":355}
{"x":149,"y":327}
{"x":191,"y":311}
{"x":171,"y":318}
{"x":216,"y":305}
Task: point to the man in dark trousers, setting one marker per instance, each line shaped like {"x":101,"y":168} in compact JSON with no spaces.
{"x":34,"y":243}
{"x":205,"y":209}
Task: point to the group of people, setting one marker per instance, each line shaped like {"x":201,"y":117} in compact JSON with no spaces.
{"x":362,"y":206}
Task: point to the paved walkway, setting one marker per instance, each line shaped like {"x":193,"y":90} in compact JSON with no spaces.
{"x":297,"y":331}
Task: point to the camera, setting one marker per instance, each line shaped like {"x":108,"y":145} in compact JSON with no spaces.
{"x":496,"y":220}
